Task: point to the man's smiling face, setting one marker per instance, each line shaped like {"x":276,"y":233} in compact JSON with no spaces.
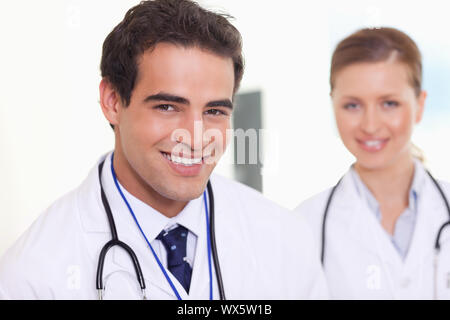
{"x":176,"y":90}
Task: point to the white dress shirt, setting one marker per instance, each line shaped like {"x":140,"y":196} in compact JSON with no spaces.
{"x":153,"y":222}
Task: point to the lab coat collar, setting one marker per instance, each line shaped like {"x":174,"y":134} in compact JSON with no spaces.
{"x":90,"y":207}
{"x":346,"y":195}
{"x":366,"y":230}
{"x":432,"y":213}
{"x":414,"y":192}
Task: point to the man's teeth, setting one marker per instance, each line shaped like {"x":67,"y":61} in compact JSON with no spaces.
{"x":181,"y":160}
{"x":373,"y":143}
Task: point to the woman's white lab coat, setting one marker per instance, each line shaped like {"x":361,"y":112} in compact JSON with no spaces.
{"x":360,"y":260}
{"x":264,"y":251}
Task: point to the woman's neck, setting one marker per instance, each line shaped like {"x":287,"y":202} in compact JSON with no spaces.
{"x":390,"y":186}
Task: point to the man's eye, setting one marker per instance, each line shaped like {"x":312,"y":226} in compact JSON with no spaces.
{"x":165,"y":107}
{"x":390,"y":104}
{"x":216,"y":112}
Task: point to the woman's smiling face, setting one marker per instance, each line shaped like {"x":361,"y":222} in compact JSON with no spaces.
{"x":376,"y":108}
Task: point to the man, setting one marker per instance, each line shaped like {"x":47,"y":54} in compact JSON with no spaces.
{"x":170,"y":70}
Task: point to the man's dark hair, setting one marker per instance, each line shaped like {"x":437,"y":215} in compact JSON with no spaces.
{"x":180,"y":22}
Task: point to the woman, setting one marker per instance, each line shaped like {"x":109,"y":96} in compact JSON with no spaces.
{"x":378,"y":226}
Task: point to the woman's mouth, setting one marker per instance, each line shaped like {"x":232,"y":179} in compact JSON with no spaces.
{"x":372,"y":145}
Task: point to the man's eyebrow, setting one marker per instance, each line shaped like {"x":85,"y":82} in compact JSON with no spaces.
{"x":177,"y":99}
{"x":167,"y":97}
{"x":220,"y":103}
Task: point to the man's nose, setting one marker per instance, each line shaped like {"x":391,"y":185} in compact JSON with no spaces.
{"x":191,"y":132}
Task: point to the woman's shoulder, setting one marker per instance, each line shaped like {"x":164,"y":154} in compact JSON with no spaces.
{"x":432,"y":178}
{"x":445,"y":184}
{"x":312,"y":209}
{"x":315,"y":202}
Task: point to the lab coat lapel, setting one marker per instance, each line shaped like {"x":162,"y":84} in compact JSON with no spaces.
{"x":354,"y":213}
{"x":367,"y":233}
{"x":92,"y":214}
{"x":239,"y":267}
{"x":431,"y":214}
{"x":364,"y":226}
{"x":199,"y":288}
{"x":89,"y":204}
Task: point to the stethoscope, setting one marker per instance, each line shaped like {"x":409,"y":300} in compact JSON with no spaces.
{"x":211,"y":241}
{"x":437,"y":244}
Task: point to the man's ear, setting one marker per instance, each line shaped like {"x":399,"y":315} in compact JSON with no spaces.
{"x":110,"y":102}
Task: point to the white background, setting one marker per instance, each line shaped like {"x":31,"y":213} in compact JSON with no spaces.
{"x":52,"y":130}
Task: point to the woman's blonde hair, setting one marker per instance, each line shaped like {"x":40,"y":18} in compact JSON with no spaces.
{"x":418,"y":153}
{"x":376,"y":45}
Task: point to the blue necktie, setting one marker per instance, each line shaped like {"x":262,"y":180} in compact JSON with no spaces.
{"x":175,"y":243}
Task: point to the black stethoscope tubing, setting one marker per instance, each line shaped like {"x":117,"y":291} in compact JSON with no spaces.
{"x":437,"y":245}
{"x":139,"y":275}
{"x":212,"y":224}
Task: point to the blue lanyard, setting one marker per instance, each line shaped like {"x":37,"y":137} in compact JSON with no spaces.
{"x":150,"y":246}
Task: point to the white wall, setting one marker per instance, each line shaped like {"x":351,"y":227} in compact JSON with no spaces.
{"x":52,"y":130}
{"x":288,"y":47}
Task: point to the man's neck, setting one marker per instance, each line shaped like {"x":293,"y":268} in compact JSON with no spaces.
{"x":138,"y":188}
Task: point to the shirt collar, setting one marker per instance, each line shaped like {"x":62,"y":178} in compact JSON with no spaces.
{"x":414,"y":192}
{"x":152,"y":221}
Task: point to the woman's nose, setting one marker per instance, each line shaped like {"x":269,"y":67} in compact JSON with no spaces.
{"x":370,"y":122}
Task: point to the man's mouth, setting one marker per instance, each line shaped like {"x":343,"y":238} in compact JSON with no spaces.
{"x":180,"y":160}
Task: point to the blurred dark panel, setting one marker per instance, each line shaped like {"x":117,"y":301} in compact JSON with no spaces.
{"x":248,"y":118}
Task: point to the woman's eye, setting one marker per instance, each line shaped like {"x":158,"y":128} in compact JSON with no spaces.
{"x":391,"y":104}
{"x":165,"y":107}
{"x":351,"y":106}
